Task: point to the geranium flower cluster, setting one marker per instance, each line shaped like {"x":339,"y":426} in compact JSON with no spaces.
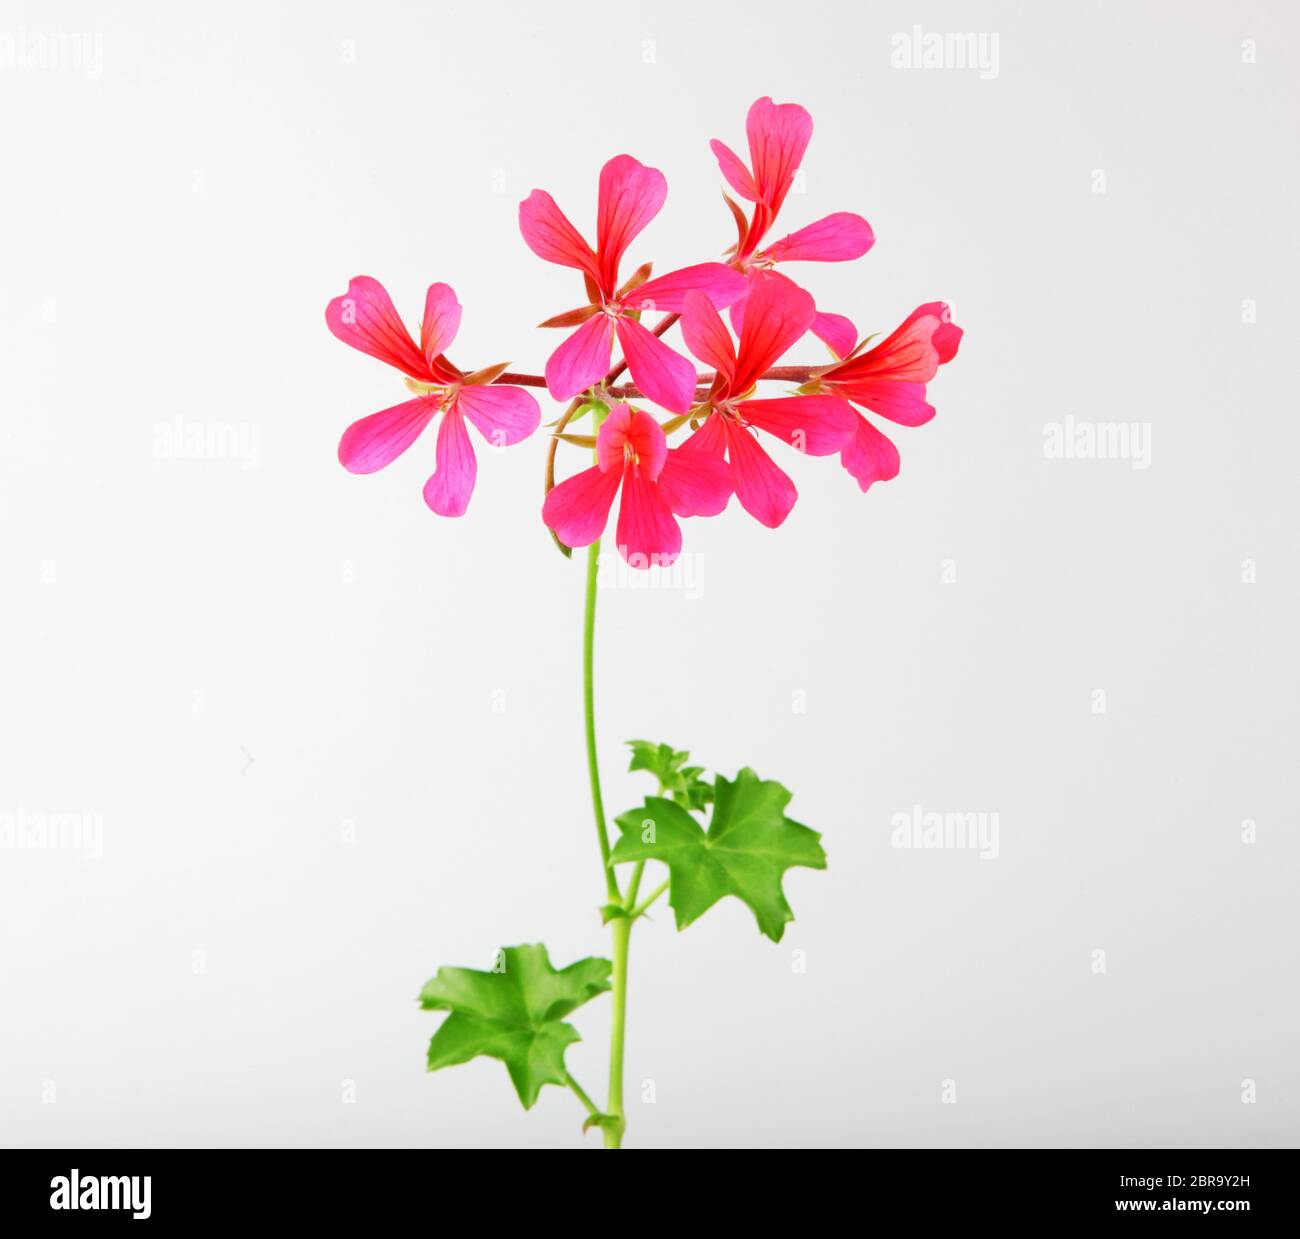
{"x":718,"y":410}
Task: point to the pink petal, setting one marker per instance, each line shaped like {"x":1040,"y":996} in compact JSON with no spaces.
{"x":647,"y":533}
{"x":502,"y":415}
{"x":837,"y":332}
{"x":763,"y":490}
{"x":734,"y":170}
{"x":628,"y":427}
{"x":666,"y":295}
{"x":577,"y":510}
{"x":817,"y":425}
{"x":364,"y":317}
{"x":869,"y":456}
{"x":777,"y":312}
{"x":581,"y":360}
{"x":630,"y":197}
{"x":710,"y":437}
{"x":447,"y":492}
{"x":695,"y":483}
{"x":778,"y":136}
{"x":946,"y":339}
{"x":440,"y":323}
{"x":903,"y":403}
{"x":379,"y":439}
{"x":736,"y":312}
{"x":706,"y":336}
{"x":548,"y":233}
{"x":663,"y":376}
{"x":913,"y":352}
{"x":837,"y":238}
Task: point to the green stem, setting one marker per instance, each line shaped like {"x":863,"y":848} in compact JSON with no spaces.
{"x":589,"y":714}
{"x":581,"y":1095}
{"x":634,"y":885}
{"x":640,"y":908}
{"x":622,"y":928}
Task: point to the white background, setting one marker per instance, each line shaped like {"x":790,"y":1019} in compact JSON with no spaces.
{"x":172,"y":230}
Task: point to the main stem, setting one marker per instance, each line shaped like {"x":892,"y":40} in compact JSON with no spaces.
{"x":589,"y":715}
{"x":621,"y":925}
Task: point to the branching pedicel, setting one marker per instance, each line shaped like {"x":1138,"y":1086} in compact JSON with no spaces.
{"x":517,"y":1011}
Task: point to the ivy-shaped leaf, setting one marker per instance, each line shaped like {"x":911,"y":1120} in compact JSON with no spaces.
{"x":513,"y":1013}
{"x":748,"y":846}
{"x":667,"y":764}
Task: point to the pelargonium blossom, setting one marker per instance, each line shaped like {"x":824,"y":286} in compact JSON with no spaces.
{"x":777,"y":314}
{"x":630,"y":196}
{"x":778,"y":137}
{"x":658,"y":483}
{"x":365,"y":318}
{"x":890,"y":380}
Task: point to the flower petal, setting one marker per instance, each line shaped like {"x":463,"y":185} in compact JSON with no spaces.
{"x":666,"y":295}
{"x":777,"y":312}
{"x":577,"y":510}
{"x":710,"y":437}
{"x":581,"y":360}
{"x":663,"y":376}
{"x":707,"y":336}
{"x":733,"y":168}
{"x":912,"y":352}
{"x":628,"y":427}
{"x":763,"y":490}
{"x":502,"y":415}
{"x":869,"y":456}
{"x":447,"y":492}
{"x":379,"y":439}
{"x":837,"y":238}
{"x":647,"y":533}
{"x":836,"y":332}
{"x":694,"y":482}
{"x":778,"y":136}
{"x":817,"y":425}
{"x":903,"y":403}
{"x":548,"y":233}
{"x":630,"y":197}
{"x":364,"y":317}
{"x":440,"y":323}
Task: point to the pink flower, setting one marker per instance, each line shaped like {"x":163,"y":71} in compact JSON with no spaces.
{"x":364,"y":317}
{"x":657,"y":481}
{"x":890,"y":380}
{"x":630,"y":197}
{"x":777,"y":313}
{"x":778,"y":136}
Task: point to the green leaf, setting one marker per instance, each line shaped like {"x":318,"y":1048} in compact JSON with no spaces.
{"x":513,"y":1013}
{"x":749,"y":845}
{"x":667,"y":764}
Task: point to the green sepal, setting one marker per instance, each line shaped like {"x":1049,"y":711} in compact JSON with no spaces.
{"x":601,"y":1120}
{"x":612,"y":912}
{"x":590,"y":406}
